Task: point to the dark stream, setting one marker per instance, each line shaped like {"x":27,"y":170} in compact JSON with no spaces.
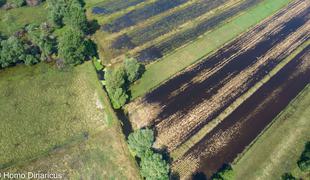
{"x":285,"y":86}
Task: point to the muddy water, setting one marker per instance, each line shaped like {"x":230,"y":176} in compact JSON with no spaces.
{"x":253,"y":115}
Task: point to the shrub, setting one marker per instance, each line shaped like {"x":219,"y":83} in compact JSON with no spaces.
{"x":225,"y":173}
{"x":56,"y":11}
{"x":74,"y":16}
{"x":133,"y":69}
{"x":153,"y":167}
{"x":140,"y":141}
{"x":71,"y":47}
{"x":12,"y":51}
{"x":288,"y":176}
{"x":115,"y":85}
{"x":17,"y":3}
{"x":304,"y":160}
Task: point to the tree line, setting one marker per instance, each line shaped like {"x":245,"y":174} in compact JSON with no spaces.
{"x":35,"y":43}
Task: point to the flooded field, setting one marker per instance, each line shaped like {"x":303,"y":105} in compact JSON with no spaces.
{"x":185,"y":104}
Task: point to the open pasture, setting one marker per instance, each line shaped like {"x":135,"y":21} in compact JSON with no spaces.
{"x":59,"y":121}
{"x":185,"y":104}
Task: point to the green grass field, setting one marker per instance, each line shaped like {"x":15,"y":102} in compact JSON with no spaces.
{"x":208,"y":43}
{"x":14,"y":19}
{"x":277,"y":150}
{"x":60,"y":121}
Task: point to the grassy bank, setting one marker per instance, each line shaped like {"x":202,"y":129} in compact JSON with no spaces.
{"x":208,"y":43}
{"x":14,"y":19}
{"x":210,"y":126}
{"x":60,"y":121}
{"x":277,"y":150}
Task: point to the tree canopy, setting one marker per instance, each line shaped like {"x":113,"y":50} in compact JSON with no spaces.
{"x":225,"y":173}
{"x":74,"y":16}
{"x":304,"y":160}
{"x":71,"y":47}
{"x":153,"y":167}
{"x":12,"y":51}
{"x":140,"y":141}
{"x":115,"y":85}
{"x":133,"y":69}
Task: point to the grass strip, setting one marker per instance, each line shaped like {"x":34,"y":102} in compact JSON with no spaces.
{"x":277,"y":149}
{"x":158,"y":72}
{"x":207,"y":128}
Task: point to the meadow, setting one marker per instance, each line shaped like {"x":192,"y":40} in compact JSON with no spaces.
{"x":60,"y":120}
{"x":15,"y":19}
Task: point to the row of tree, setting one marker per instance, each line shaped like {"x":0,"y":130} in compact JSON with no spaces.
{"x":118,"y":79}
{"x":34,"y":43}
{"x":30,"y":46}
{"x":152,"y":164}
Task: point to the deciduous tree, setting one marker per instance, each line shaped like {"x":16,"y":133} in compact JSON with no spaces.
{"x":133,"y":69}
{"x":71,"y":46}
{"x":141,"y":141}
{"x":154,"y":167}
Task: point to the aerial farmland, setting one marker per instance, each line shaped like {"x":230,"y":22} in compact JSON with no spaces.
{"x":155,"y":89}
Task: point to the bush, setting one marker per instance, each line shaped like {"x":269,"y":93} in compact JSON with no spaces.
{"x":288,"y":176}
{"x":304,"y":160}
{"x":56,"y":11}
{"x":71,"y":47}
{"x":74,"y":16}
{"x":17,"y":3}
{"x":153,"y":167}
{"x":225,"y":173}
{"x":12,"y":51}
{"x":115,"y":85}
{"x":140,"y":141}
{"x":133,"y":69}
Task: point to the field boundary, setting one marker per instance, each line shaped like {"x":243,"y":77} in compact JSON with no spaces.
{"x":150,"y":81}
{"x":212,"y":124}
{"x":237,"y":159}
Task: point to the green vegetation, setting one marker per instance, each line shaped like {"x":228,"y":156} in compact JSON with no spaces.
{"x":75,"y":16}
{"x":152,"y":165}
{"x":117,"y":80}
{"x":208,"y":43}
{"x":16,"y":3}
{"x":287,"y":176}
{"x":225,"y":173}
{"x":56,"y":9}
{"x":116,"y":86}
{"x":133,"y":69}
{"x":141,"y":141}
{"x":304,"y":160}
{"x":278,"y":148}
{"x":60,"y":121}
{"x":72,"y":46}
{"x":14,"y":19}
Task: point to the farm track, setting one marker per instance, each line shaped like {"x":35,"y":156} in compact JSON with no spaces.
{"x":190,"y":100}
{"x":224,"y":143}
